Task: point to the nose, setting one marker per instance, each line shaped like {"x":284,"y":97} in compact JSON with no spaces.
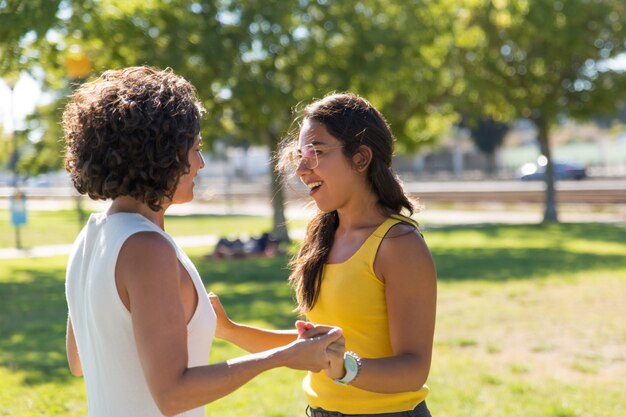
{"x":302,"y":166}
{"x":201,"y":161}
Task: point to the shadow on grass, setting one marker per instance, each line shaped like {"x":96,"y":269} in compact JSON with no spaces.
{"x":254,"y":289}
{"x":502,"y":264}
{"x":236,"y":271}
{"x":515,"y":264}
{"x":33,"y":310}
{"x":33,"y":316}
{"x":559,"y":232}
{"x":267,"y":308}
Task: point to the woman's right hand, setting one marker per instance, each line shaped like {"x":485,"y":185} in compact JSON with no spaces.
{"x":223,"y":321}
{"x":335,"y":350}
{"x":315,"y":353}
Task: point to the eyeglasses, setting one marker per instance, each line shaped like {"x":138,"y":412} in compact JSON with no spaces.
{"x":309,"y":155}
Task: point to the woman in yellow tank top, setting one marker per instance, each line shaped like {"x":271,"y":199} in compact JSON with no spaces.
{"x":363,"y":266}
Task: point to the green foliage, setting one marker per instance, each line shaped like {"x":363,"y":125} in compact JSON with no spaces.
{"x":6,"y":148}
{"x":46,"y":153}
{"x":538,"y":59}
{"x":23,"y":25}
{"x":420,"y":62}
{"x":252,"y":62}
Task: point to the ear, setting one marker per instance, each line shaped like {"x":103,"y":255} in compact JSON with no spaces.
{"x":362,"y":158}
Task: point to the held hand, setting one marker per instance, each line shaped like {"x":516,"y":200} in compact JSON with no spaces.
{"x":313,"y":354}
{"x":335,"y":352}
{"x":223,"y":322}
{"x":307,"y":330}
{"x":302,"y":327}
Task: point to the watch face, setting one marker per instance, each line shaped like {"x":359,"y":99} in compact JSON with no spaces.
{"x":351,"y":363}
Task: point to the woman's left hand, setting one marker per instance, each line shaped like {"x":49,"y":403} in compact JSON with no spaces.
{"x":223,"y":322}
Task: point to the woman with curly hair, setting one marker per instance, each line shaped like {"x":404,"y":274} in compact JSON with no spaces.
{"x":363,"y":266}
{"x":140,"y":323}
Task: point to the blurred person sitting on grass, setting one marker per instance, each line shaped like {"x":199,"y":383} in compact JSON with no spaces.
{"x":363,"y":266}
{"x":263,"y":246}
{"x":140,"y":323}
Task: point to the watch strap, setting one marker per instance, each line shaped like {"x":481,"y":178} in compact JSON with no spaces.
{"x":352,"y":364}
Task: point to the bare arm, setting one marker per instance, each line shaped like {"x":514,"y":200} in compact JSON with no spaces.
{"x":72,"y":350}
{"x":406,"y":266}
{"x":250,"y":338}
{"x":255,"y":339}
{"x":147,"y":273}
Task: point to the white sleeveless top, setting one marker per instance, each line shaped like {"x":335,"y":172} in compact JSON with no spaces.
{"x":114,"y":379}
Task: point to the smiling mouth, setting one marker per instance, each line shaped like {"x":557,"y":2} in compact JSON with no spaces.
{"x":314,"y":185}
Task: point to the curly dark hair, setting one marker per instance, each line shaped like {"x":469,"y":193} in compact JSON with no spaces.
{"x":129,"y":132}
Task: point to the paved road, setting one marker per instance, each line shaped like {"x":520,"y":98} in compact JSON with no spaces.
{"x":593,"y":191}
{"x":578,"y":192}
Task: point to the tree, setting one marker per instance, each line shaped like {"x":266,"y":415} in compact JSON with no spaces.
{"x":488,"y":135}
{"x":538,"y":60}
{"x":24,"y":27}
{"x":254,"y":61}
{"x":296,"y":51}
{"x":24,"y":23}
{"x":44,"y":154}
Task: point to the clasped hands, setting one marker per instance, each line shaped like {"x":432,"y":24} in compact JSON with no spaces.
{"x":317,"y":347}
{"x":334,"y":351}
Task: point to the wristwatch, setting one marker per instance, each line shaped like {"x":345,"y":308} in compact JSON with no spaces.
{"x":352,"y":364}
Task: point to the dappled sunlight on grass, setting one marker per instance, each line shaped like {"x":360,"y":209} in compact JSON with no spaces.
{"x":62,"y":226}
{"x":529,"y":324}
{"x":45,"y":228}
{"x":32,"y":320}
{"x":527,"y":338}
{"x":503,"y":264}
{"x":501,"y":253}
{"x":252,"y":289}
{"x":526,"y":236}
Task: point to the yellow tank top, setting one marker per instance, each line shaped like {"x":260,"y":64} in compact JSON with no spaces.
{"x":352,"y":298}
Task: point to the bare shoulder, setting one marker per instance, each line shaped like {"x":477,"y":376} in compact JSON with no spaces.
{"x":402,"y":229}
{"x":151,"y":243}
{"x":144,"y":254}
{"x":403,"y":238}
{"x":403,"y":251}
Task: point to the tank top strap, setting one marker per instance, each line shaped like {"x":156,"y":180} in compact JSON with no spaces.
{"x":370,"y":247}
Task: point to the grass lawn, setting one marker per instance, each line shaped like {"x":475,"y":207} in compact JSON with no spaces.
{"x":530,"y":323}
{"x":62,"y":226}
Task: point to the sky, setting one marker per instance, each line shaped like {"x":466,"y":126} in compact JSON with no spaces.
{"x":28,"y":94}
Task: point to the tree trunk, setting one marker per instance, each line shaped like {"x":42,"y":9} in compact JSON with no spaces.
{"x":279,"y":225}
{"x":550,"y":211}
{"x":491,"y":164}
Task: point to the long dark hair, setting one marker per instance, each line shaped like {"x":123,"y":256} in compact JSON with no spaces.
{"x":354,"y":122}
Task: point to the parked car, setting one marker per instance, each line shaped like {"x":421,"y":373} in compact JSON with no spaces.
{"x":562,"y":171}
